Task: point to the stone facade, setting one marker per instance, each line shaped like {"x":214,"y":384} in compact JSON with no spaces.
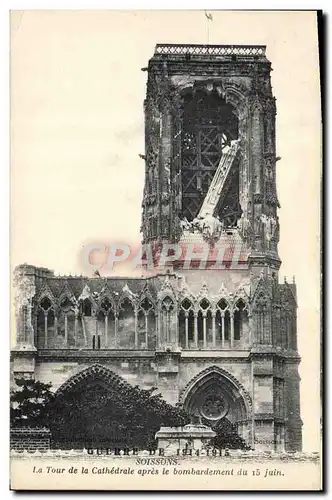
{"x":223,"y":343}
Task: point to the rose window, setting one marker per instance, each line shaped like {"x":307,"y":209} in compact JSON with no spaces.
{"x":214,"y":407}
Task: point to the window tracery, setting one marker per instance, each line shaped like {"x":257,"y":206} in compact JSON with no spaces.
{"x":146,"y":323}
{"x":209,"y":125}
{"x":127,"y":328}
{"x":186,"y":323}
{"x":45,"y":321}
{"x":167,"y":314}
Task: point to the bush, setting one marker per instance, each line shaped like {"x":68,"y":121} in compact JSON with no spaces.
{"x":227,"y":437}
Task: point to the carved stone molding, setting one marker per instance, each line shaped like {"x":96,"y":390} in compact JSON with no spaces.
{"x":105,"y":373}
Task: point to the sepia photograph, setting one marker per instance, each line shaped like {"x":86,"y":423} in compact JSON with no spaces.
{"x":165,"y":250}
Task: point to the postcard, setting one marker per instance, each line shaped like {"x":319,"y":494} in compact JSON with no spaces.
{"x":165,"y":249}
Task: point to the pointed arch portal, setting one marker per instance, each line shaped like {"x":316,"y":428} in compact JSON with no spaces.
{"x":97,"y":408}
{"x":213,"y":395}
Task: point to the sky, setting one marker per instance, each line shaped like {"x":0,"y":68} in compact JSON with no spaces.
{"x":77,"y":130}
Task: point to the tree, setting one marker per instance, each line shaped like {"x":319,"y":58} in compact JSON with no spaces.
{"x":98,"y":414}
{"x":30,"y":403}
{"x":93,"y":413}
{"x":227,"y":437}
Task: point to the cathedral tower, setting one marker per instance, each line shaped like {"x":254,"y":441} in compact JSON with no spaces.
{"x":200,"y":100}
{"x":219,"y":336}
{"x":211,"y":177}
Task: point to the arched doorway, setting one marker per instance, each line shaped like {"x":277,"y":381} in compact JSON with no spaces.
{"x":98,"y":409}
{"x":214,"y":397}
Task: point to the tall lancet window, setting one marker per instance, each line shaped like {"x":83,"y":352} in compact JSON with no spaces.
{"x":167,"y":316}
{"x":146,"y":324}
{"x":209,"y":126}
{"x":45,"y":323}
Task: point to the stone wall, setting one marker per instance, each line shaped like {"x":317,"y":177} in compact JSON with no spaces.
{"x":28,"y":439}
{"x":169,"y":375}
{"x":275,"y":394}
{"x":293,"y":437}
{"x":134,"y":371}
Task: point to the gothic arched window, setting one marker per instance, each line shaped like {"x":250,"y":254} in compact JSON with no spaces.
{"x":146,"y":324}
{"x":186,"y":323}
{"x":223,"y":322}
{"x":87,"y":307}
{"x":66,"y":320}
{"x":45,"y":322}
{"x":167,"y":316}
{"x":126,"y":323}
{"x":209,"y":125}
{"x":240,"y":318}
{"x":106,"y":324}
